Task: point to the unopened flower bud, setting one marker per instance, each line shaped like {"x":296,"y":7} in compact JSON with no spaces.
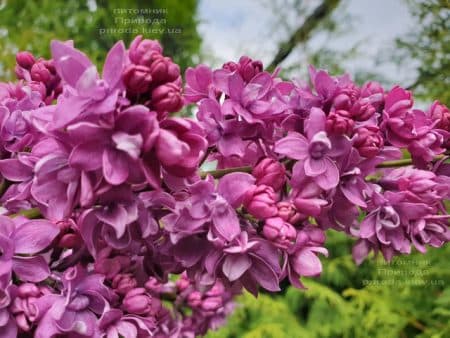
{"x":270,"y":172}
{"x":141,"y":48}
{"x":137,"y":79}
{"x":163,"y":69}
{"x":38,"y":87}
{"x":137,"y":301}
{"x":288,"y":212}
{"x":248,"y":68}
{"x":183,"y":283}
{"x":39,"y":72}
{"x":167,"y":98}
{"x":23,"y":306}
{"x":260,"y":202}
{"x":194,"y":299}
{"x":25,"y":60}
{"x":368,"y":141}
{"x":439,"y":112}
{"x":124,"y":282}
{"x":231,"y":66}
{"x":374,"y":93}
{"x":339,"y":123}
{"x":211,"y":303}
{"x":281,"y":233}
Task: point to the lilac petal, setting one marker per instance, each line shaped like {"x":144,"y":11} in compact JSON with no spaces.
{"x":230,"y":145}
{"x":115,"y":166}
{"x":388,"y":252}
{"x":10,"y":329}
{"x":46,"y":328}
{"x":151,"y":169}
{"x":294,"y":146}
{"x":130,"y":144}
{"x":86,"y":190}
{"x":48,"y":191}
{"x":249,"y":283}
{"x":315,"y":167}
{"x":294,"y":279}
{"x":259,"y":86}
{"x":86,"y":156}
{"x":112,"y":70}
{"x":87,"y":132}
{"x":82,"y":322}
{"x":109,"y":234}
{"x":69,"y":62}
{"x":67,"y":109}
{"x":4,"y":314}
{"x":360,"y":251}
{"x":325,"y":85}
{"x":220,"y":80}
{"x":88,"y":224}
{"x":62,"y":49}
{"x":310,"y":206}
{"x":14,"y":170}
{"x":109,"y":317}
{"x":354,"y":193}
{"x":367,"y":227}
{"x":264,"y":275}
{"x":340,"y":145}
{"x":7,"y":226}
{"x":308,"y":264}
{"x":125,"y":329}
{"x":412,"y":210}
{"x":189,"y":251}
{"x":5,"y":266}
{"x":236,"y":86}
{"x":115,"y":216}
{"x":330,"y":178}
{"x":31,"y":269}
{"x":87,"y":84}
{"x":105,"y":104}
{"x":212,"y":261}
{"x":315,"y":122}
{"x":233,"y":187}
{"x":34,"y":236}
{"x":234,"y":266}
{"x":198,"y":81}
{"x":225,"y":220}
{"x":170,"y":148}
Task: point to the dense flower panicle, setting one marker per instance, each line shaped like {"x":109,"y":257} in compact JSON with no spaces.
{"x":152,"y":78}
{"x":127,"y":237}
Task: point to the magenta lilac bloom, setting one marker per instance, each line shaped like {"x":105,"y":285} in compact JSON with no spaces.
{"x":107,"y":210}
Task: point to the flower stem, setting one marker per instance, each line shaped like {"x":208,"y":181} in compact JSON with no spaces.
{"x":222,"y":172}
{"x":28,"y":213}
{"x":247,"y":169}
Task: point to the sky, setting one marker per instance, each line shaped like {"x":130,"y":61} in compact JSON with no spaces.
{"x":231,"y":28}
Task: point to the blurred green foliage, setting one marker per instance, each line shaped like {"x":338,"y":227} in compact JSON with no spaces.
{"x":95,"y":25}
{"x":410,"y":297}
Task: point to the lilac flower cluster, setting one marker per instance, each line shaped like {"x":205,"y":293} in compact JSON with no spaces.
{"x":110,"y":227}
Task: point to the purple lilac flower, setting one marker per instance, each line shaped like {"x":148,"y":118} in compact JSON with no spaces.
{"x":25,"y":237}
{"x":75,"y":310}
{"x":315,"y":152}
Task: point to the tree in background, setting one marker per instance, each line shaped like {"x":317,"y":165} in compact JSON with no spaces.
{"x":96,"y":25}
{"x":305,"y":29}
{"x":428,"y":46}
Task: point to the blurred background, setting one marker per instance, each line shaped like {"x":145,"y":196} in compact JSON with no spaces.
{"x":404,"y":42}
